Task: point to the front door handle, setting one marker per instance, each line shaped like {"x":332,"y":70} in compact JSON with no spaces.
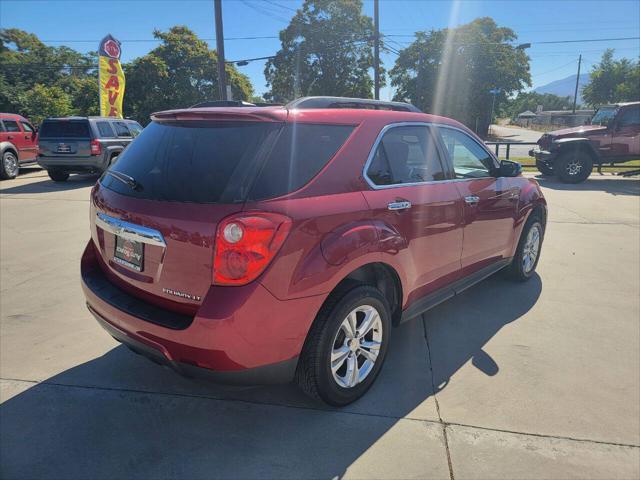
{"x":399,"y":205}
{"x":472,"y":199}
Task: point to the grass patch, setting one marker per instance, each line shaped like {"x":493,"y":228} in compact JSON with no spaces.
{"x":529,"y":165}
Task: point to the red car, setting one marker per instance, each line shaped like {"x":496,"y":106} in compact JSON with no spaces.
{"x":262,"y":245}
{"x":571,"y":153}
{"x":18,"y":144}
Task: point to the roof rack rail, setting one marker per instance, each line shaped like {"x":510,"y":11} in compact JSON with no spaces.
{"x":345,"y":102}
{"x":232,"y":103}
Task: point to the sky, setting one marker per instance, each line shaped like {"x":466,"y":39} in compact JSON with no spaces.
{"x":80,"y":24}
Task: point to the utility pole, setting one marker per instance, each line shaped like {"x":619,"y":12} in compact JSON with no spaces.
{"x":575,"y":93}
{"x":222,"y":78}
{"x":376,"y":51}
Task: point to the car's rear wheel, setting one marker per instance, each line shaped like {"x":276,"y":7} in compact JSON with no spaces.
{"x":544,"y":169}
{"x":525,"y":261}
{"x":10,"y":167}
{"x":58,"y":175}
{"x":574,"y":166}
{"x":346,"y":346}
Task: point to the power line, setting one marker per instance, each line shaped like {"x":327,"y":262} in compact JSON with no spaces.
{"x":554,"y":69}
{"x":281,"y":6}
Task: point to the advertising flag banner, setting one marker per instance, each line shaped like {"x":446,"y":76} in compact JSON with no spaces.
{"x":111,"y":78}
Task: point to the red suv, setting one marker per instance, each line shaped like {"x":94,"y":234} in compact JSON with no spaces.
{"x":18,"y":144}
{"x":259,"y":245}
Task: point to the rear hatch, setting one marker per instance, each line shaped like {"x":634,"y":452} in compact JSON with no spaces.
{"x":156,"y":238}
{"x":155,"y":212}
{"x":65,"y":137}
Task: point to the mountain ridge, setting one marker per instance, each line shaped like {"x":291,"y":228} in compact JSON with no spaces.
{"x":565,"y":87}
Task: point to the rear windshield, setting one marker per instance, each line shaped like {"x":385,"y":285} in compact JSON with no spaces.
{"x":65,"y":129}
{"x":224,"y":162}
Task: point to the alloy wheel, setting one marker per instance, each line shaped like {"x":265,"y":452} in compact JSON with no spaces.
{"x":574,"y":167}
{"x":10,"y":164}
{"x":531,"y":248}
{"x":356,"y":346}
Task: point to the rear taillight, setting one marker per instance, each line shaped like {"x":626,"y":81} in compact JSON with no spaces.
{"x":96,"y":148}
{"x":245,"y":244}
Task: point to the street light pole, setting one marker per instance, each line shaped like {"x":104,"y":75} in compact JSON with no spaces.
{"x":376,"y":50}
{"x":222,"y":78}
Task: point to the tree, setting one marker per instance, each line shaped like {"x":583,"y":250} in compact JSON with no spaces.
{"x":326,"y":50}
{"x":180,"y":72}
{"x":41,"y":102}
{"x":530,"y":101}
{"x":452,"y":72}
{"x":29,"y":68}
{"x":612,"y":81}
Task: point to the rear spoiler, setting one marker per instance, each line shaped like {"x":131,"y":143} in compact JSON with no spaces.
{"x":228,"y":114}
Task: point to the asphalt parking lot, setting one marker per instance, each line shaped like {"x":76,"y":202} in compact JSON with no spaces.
{"x":535,"y":380}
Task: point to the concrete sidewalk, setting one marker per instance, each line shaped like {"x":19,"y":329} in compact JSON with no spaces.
{"x":535,"y":380}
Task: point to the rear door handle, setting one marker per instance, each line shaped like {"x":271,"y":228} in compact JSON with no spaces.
{"x":399,"y":205}
{"x":472,"y":199}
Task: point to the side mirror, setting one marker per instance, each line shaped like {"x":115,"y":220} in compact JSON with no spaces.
{"x":509,"y":169}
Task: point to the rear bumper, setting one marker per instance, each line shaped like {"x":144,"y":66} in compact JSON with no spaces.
{"x":240,"y":335}
{"x":74,"y":164}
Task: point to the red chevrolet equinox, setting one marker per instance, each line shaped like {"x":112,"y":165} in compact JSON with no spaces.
{"x":266,"y":244}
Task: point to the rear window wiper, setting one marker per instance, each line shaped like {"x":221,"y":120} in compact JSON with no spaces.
{"x":124,"y":178}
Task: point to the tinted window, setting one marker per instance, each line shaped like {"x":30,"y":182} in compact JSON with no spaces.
{"x":26,"y":127}
{"x":603,"y":116}
{"x":468,"y":158}
{"x":298,"y":155}
{"x":630,"y":117}
{"x":105,"y":129}
{"x":406,"y":155}
{"x":121,"y":129}
{"x":65,"y":129}
{"x":193,"y":161}
{"x":135,"y":129}
{"x":11,"y":126}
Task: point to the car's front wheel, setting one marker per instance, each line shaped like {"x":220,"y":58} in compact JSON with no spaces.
{"x":573,"y":166}
{"x":10,"y":167}
{"x":346,"y":346}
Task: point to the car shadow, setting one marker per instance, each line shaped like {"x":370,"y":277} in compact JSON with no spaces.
{"x":119,"y":415}
{"x":615,"y":185}
{"x":46,"y":185}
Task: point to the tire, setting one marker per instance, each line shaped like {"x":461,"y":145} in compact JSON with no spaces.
{"x":10,"y":166}
{"x":545,"y":169}
{"x":328,"y":336}
{"x":520,"y":269}
{"x":574,"y":166}
{"x":58,"y":175}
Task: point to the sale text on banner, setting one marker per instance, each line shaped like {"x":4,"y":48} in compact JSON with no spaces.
{"x":111,"y":78}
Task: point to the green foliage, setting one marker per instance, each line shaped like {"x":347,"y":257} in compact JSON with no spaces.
{"x":326,"y":50}
{"x":180,"y":72}
{"x":37,"y":80}
{"x":451,"y":71}
{"x":530,"y":101}
{"x":40,"y":102}
{"x":612,"y":81}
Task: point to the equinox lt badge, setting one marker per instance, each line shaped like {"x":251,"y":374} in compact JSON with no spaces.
{"x":182,"y":294}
